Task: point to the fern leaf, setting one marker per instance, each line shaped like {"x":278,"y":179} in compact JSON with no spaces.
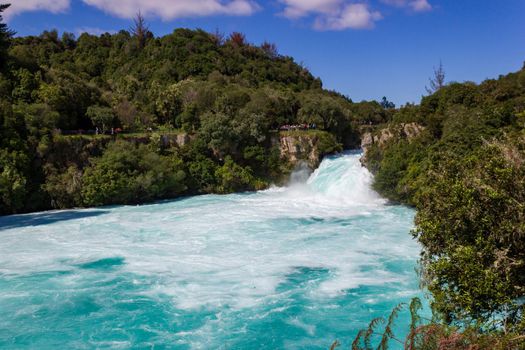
{"x":370,"y":331}
{"x":356,"y":344}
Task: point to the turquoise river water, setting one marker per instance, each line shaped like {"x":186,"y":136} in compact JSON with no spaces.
{"x":286,"y":268}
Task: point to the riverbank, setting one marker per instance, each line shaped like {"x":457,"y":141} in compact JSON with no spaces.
{"x":94,"y":170}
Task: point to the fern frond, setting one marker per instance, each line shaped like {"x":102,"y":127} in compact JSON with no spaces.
{"x":335,"y":345}
{"x":356,"y":344}
{"x":415,"y":306}
{"x":370,"y":331}
{"x":388,"y":332}
{"x":415,"y":319}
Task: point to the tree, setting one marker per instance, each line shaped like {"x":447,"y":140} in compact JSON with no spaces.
{"x":386,"y":104}
{"x":438,"y":81}
{"x":218,"y":37}
{"x":239,"y":39}
{"x":39,"y":118}
{"x":70,"y":95}
{"x":127,"y":114}
{"x":168,"y":104}
{"x":26,"y":84}
{"x":233,"y":177}
{"x":68,"y":40}
{"x":270,"y":49}
{"x":5,"y":36}
{"x":140,"y":30}
{"x":100,"y":116}
{"x":217,"y":131}
{"x":327,"y":112}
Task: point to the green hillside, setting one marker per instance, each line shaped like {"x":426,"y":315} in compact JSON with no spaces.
{"x":225,"y":96}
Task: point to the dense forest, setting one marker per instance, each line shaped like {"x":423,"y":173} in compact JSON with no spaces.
{"x":226,"y":96}
{"x":464,"y":171}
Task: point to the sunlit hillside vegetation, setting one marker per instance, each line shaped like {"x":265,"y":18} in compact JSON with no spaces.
{"x":226,"y":95}
{"x":465,"y":173}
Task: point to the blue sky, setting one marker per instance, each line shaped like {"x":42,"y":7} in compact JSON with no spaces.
{"x":365,"y":49}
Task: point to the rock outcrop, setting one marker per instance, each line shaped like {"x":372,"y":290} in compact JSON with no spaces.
{"x":381,"y":137}
{"x":300,"y":148}
{"x":175,"y":140}
{"x":309,"y":147}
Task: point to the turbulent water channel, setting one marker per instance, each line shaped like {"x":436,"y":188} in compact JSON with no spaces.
{"x":286,"y":268}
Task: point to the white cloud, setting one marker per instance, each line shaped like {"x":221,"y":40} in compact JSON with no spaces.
{"x":19,"y":6}
{"x":352,"y":16}
{"x":172,"y":9}
{"x":415,"y":5}
{"x":332,"y":14}
{"x":420,"y":5}
{"x":301,"y":8}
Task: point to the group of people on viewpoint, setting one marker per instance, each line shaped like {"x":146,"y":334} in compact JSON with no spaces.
{"x":298,"y":127}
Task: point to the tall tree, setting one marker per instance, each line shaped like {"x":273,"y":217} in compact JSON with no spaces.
{"x":5,"y":36}
{"x":437,"y":81}
{"x":218,"y":37}
{"x":270,"y":49}
{"x":238,"y":39}
{"x":140,"y":30}
{"x":386,"y":104}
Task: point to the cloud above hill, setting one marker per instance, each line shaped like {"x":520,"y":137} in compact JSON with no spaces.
{"x":20,"y":6}
{"x":164,"y":9}
{"x":345,"y":14}
{"x":169,"y":9}
{"x":322,"y":14}
{"x":415,"y":5}
{"x":332,"y":14}
{"x":351,"y":16}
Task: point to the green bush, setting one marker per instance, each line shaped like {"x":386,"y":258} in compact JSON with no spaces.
{"x":232,"y":177}
{"x":131,"y":174}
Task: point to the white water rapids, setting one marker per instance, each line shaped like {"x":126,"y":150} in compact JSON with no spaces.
{"x":293,"y":267}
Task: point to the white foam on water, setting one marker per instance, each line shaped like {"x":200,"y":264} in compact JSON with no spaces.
{"x":234,"y":250}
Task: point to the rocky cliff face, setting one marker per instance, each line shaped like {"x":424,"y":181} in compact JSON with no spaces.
{"x":175,"y":140}
{"x":309,"y":147}
{"x":381,"y":137}
{"x":300,"y":148}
